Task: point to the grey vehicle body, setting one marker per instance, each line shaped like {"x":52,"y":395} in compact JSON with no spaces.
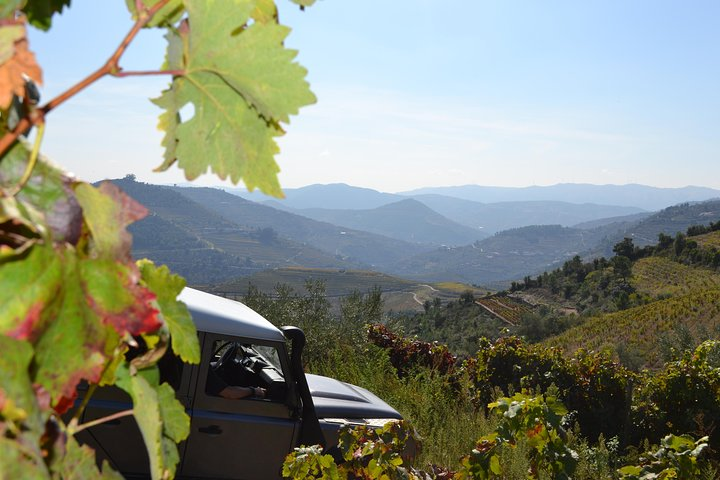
{"x":237,"y":439}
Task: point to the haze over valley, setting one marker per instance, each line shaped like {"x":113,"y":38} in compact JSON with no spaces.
{"x":212,"y":235}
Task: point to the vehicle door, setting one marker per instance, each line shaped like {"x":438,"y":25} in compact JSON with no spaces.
{"x":246,"y":438}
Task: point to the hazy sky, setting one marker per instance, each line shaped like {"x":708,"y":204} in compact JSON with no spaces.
{"x":417,"y":93}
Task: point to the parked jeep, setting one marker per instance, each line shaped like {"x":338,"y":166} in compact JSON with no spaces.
{"x":246,"y":438}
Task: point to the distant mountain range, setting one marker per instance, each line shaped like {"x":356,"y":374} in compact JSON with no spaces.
{"x":342,"y":196}
{"x":408,"y":220}
{"x":212,"y":236}
{"x":639,"y":196}
{"x":369,"y":210}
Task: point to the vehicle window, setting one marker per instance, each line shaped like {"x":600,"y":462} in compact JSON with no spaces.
{"x":245,"y":371}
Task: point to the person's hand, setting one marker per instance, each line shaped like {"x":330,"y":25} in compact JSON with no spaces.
{"x":259,"y":392}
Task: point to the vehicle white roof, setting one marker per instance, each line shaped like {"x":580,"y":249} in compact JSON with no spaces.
{"x":221,"y":315}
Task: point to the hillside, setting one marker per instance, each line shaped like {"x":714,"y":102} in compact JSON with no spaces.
{"x":640,"y":196}
{"x":507,"y":255}
{"x":639,"y":329}
{"x":339,"y":195}
{"x":398,"y":294}
{"x":354,"y":246}
{"x":660,"y":277}
{"x":709,"y":240}
{"x":205,"y":247}
{"x":499,"y":216}
{"x":408,"y":220}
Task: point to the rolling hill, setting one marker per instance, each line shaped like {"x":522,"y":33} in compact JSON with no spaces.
{"x":639,"y":329}
{"x":408,"y":220}
{"x":496,"y":217}
{"x":205,"y":247}
{"x":505,"y":256}
{"x":354,"y":246}
{"x":640,"y":196}
{"x":669,"y":221}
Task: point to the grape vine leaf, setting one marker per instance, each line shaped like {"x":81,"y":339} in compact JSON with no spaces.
{"x":241,"y":88}
{"x":303,"y":3}
{"x":20,"y":417}
{"x":167,"y":15}
{"x":79,"y":463}
{"x":160,"y":417}
{"x":166,"y":287}
{"x":40,"y":12}
{"x":47,"y":201}
{"x":9,"y":7}
{"x":30,"y":282}
{"x":265,"y":11}
{"x":108,"y":211}
{"x":114,"y":293}
{"x":9,"y":34}
{"x":72,"y":346}
{"x":19,"y":63}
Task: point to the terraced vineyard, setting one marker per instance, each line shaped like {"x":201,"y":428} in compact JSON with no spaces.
{"x":641,"y":327}
{"x":708,"y":240}
{"x":504,"y":308}
{"x":658,"y":277}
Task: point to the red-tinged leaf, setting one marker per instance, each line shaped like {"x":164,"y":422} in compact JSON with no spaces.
{"x":31,"y":283}
{"x":176,"y":315}
{"x":73,"y":346}
{"x":47,"y":201}
{"x":64,"y":404}
{"x":108,"y":211}
{"x":114,"y":294}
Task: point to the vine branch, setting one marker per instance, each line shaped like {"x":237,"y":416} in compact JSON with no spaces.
{"x":133,"y":73}
{"x":98,"y":421}
{"x":109,"y":68}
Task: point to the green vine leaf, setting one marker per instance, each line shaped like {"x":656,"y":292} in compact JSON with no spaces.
{"x":9,"y":7}
{"x":265,"y":11}
{"x":303,"y":3}
{"x":72,"y":347}
{"x":176,"y":423}
{"x":9,"y":34}
{"x":79,"y":463}
{"x":241,"y":88}
{"x":167,"y":287}
{"x":47,"y":200}
{"x":30,"y":282}
{"x":108,"y":211}
{"x":160,"y":417}
{"x":40,"y":12}
{"x":167,"y":15}
{"x":113,"y":292}
{"x":20,"y":417}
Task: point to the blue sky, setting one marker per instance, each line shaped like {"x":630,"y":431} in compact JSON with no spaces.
{"x":417,"y":93}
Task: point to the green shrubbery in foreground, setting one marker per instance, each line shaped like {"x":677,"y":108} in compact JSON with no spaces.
{"x":614,"y":418}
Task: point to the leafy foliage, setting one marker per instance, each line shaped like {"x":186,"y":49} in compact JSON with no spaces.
{"x":676,"y":458}
{"x":242,"y":83}
{"x":73,"y":301}
{"x":538,"y":420}
{"x":407,"y":354}
{"x":367,"y":452}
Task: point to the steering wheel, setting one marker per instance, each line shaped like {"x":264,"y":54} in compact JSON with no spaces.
{"x":227,"y":355}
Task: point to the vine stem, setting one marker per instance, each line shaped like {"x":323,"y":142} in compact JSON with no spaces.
{"x":109,"y":68}
{"x":98,"y":421}
{"x":33,"y":160}
{"x":132,"y":73}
